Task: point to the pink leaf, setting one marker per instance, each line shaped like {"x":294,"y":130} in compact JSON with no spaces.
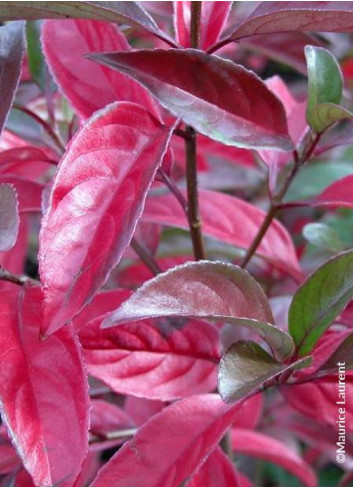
{"x":195,"y":86}
{"x":271,"y":17}
{"x":213,"y":291}
{"x":196,"y":423}
{"x":89,"y":87}
{"x":25,"y":162}
{"x":285,"y":47}
{"x":97,"y":198}
{"x":9,"y":218}
{"x":44,"y":393}
{"x":213,"y":18}
{"x":141,"y":410}
{"x":217,"y":471}
{"x":232,"y":221}
{"x":155,"y":361}
{"x":128,"y":13}
{"x":319,"y":399}
{"x":338,"y":194}
{"x":264,"y":447}
{"x":29,"y":193}
{"x":106,"y":417}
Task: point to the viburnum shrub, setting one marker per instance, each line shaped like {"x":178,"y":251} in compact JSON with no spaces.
{"x":182,"y":176}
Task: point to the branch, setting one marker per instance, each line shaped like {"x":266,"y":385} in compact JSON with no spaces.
{"x":276,"y":199}
{"x":192,"y":195}
{"x":146,"y":257}
{"x":20,"y":280}
{"x":47,"y":127}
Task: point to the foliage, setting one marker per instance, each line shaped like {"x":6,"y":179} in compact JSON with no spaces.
{"x":176,"y":258}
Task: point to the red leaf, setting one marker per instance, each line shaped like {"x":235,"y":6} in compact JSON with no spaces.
{"x":214,"y":291}
{"x":195,"y":87}
{"x":12,"y":47}
{"x":254,"y":408}
{"x":29,"y":193}
{"x":25,"y":162}
{"x":264,"y":447}
{"x":44,"y":393}
{"x":213,"y":18}
{"x":9,"y":460}
{"x":97,"y":197}
{"x":197,"y":423}
{"x":318,"y":400}
{"x":217,"y":471}
{"x":9,"y":218}
{"x":338,"y":194}
{"x":89,"y":87}
{"x":106,"y":417}
{"x":155,"y":361}
{"x":297,"y":126}
{"x":271,"y":17}
{"x":141,"y":410}
{"x":129,"y":13}
{"x":232,"y":221}
{"x":285,"y":47}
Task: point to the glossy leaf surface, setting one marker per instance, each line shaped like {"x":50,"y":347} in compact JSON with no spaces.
{"x":324,"y":86}
{"x":205,"y":290}
{"x":244,"y":368}
{"x":130,"y":13}
{"x":271,"y":17}
{"x":97,"y":197}
{"x":320,"y":299}
{"x":195,"y":87}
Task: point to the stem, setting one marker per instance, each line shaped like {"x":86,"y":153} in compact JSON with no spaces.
{"x":113,"y":435}
{"x":190,"y":149}
{"x":192,"y":195}
{"x":276,"y":200}
{"x":146,"y":257}
{"x":195,"y":22}
{"x":20,"y":280}
{"x":47,"y":128}
{"x":260,"y":234}
{"x":218,"y":45}
{"x":174,"y":189}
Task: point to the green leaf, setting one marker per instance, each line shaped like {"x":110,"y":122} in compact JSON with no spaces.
{"x":325,"y":84}
{"x":325,"y":114}
{"x":322,"y":236}
{"x":245,"y":367}
{"x":11,"y":56}
{"x":36,"y":62}
{"x":130,"y":13}
{"x":319,"y":301}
